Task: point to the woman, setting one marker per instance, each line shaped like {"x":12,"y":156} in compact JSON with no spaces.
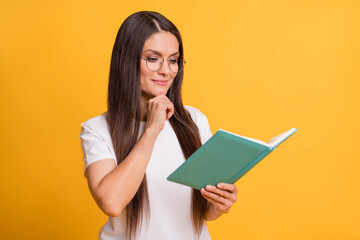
{"x":144,"y":136}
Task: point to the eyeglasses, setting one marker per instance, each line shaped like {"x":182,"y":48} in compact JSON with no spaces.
{"x":154,"y":63}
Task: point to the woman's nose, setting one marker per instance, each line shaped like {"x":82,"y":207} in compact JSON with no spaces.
{"x":164,"y":68}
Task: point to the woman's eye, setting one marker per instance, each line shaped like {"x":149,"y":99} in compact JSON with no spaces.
{"x":152,"y":59}
{"x":173,"y":61}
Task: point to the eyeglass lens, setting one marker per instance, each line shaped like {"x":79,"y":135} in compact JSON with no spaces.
{"x":155,"y":63}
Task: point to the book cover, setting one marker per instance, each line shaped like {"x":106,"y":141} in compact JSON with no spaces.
{"x":225,"y":157}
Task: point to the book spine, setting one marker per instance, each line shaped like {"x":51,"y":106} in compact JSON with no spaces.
{"x":250,"y":165}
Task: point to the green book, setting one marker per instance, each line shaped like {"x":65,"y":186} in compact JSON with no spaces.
{"x":224,"y":158}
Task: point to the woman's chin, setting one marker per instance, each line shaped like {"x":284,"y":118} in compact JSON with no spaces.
{"x":153,"y":94}
{"x":159,"y":91}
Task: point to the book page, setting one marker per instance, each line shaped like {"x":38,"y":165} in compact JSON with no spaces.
{"x":275,"y":141}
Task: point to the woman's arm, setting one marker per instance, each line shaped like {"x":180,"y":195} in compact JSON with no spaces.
{"x":113,"y":186}
{"x":220,"y":197}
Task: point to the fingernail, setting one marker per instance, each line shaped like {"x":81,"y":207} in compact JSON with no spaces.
{"x":220,"y":186}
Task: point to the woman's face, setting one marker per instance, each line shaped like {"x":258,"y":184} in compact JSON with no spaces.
{"x":154,"y":83}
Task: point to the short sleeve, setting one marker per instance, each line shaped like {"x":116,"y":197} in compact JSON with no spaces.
{"x":201,"y":122}
{"x":93,"y":146}
{"x":205,"y":130}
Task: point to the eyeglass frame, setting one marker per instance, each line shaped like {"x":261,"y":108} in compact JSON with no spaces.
{"x":162,"y":63}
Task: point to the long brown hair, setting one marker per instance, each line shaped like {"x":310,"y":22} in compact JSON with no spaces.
{"x":124,"y":94}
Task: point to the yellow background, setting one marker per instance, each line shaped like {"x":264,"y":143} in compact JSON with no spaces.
{"x":254,"y":67}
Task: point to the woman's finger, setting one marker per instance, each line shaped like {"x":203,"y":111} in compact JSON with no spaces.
{"x":217,"y":198}
{"x":159,"y":109}
{"x":211,"y":200}
{"x":161,"y":96}
{"x":170,"y":110}
{"x":162,"y":103}
{"x":219,"y":207}
{"x":227,"y":186}
{"x":223,"y":193}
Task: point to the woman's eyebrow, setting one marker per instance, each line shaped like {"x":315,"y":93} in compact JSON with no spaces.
{"x":158,"y":53}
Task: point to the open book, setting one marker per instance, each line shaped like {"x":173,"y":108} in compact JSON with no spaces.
{"x":224,"y":158}
{"x":273,"y":143}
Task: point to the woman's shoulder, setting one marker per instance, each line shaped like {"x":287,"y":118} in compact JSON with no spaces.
{"x":194,"y":111}
{"x":196,"y":114}
{"x":97,"y":123}
{"x":201,"y":121}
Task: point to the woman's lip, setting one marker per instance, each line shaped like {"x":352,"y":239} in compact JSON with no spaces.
{"x":160,"y":82}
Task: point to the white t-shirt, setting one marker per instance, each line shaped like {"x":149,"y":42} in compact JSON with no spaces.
{"x":170,"y":203}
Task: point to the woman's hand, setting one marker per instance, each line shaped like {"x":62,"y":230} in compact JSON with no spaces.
{"x":159,"y":109}
{"x":222,"y":197}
